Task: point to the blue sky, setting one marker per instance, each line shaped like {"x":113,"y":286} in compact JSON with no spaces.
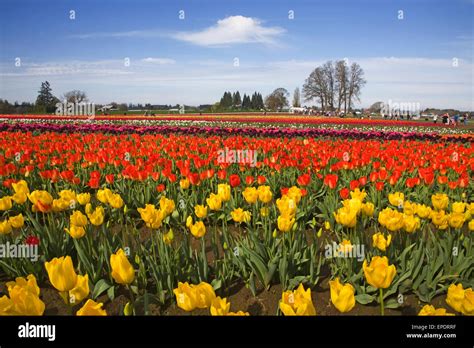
{"x":425,"y":57}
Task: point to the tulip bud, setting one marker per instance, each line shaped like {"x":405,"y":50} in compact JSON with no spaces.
{"x":128,"y":310}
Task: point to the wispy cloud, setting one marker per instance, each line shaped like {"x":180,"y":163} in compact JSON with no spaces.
{"x":232,"y":30}
{"x":431,"y":82}
{"x":160,"y":61}
{"x":228,"y":31}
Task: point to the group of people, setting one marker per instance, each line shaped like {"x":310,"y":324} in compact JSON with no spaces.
{"x":452,"y":120}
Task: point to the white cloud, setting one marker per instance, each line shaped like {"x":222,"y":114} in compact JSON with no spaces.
{"x":232,"y":30}
{"x":160,"y":61}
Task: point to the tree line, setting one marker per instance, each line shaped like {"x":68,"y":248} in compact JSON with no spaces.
{"x":334,"y":85}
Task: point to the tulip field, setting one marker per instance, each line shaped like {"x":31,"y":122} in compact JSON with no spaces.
{"x":235,"y":215}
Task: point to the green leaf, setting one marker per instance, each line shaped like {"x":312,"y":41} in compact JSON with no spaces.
{"x":99,"y":288}
{"x":392,"y":304}
{"x":216,"y":284}
{"x":364,"y":298}
{"x":111,"y":293}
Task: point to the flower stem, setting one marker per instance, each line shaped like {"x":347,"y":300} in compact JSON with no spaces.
{"x":381,"y":302}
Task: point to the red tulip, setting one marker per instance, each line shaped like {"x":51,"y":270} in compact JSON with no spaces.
{"x":379,"y":185}
{"x":344,"y":193}
{"x":249,"y":180}
{"x":354,"y":184}
{"x":331,"y":180}
{"x":109,"y":178}
{"x":234,"y":180}
{"x":304,"y":180}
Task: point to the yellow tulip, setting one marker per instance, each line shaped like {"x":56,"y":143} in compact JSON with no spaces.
{"x":97,"y":216}
{"x":153,"y":217}
{"x":5,"y":203}
{"x":342,"y":296}
{"x":17,"y":221}
{"x":103,"y":195}
{"x":264,"y":211}
{"x":440,"y":201}
{"x":60,"y":205}
{"x":265,"y":194}
{"x":168,"y":237}
{"x":42,"y":201}
{"x":455,"y":297}
{"x":78,"y":219}
{"x":5,"y":227}
{"x":80,"y":290}
{"x":409,"y":208}
{"x":91,"y":308}
{"x":297,"y":302}
{"x":220,"y":306}
{"x":200,"y":211}
{"x":368,"y":209}
{"x":353,"y":205}
{"x":24,"y":302}
{"x":456,"y":220}
{"x":61,"y":273}
{"x":423,"y":211}
{"x":285,"y":223}
{"x":29,"y":283}
{"x":250,"y":195}
{"x":286,"y":206}
{"x":397,"y":199}
{"x":346,"y":217}
{"x":185,"y":297}
{"x":19,"y":197}
{"x":411,"y":223}
{"x":189,"y":221}
{"x":440,"y":219}
{"x":115,"y":201}
{"x":429,"y":310}
{"x":358,"y":194}
{"x":458,"y":207}
{"x":204,"y":294}
{"x":83,"y":198}
{"x":167,"y":205}
{"x":21,"y":187}
{"x":239,"y":215}
{"x":470,"y":225}
{"x":184,"y":183}
{"x":76,"y":232}
{"x":223,"y":191}
{"x":468,"y":302}
{"x":391,"y":219}
{"x":379,"y":274}
{"x":294,"y":193}
{"x":214,"y":202}
{"x":122,"y":270}
{"x":380,"y":242}
{"x":198,"y":229}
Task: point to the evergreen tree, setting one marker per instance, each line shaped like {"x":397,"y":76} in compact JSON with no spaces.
{"x":46,"y":101}
{"x":236,"y":100}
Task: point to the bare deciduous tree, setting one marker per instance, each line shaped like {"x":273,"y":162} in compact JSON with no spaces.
{"x":334,"y":83}
{"x":75,"y":96}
